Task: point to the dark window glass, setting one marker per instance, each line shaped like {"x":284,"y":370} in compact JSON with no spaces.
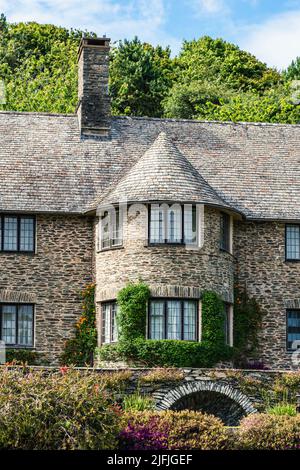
{"x":111,"y":233}
{"x":224,"y":231}
{"x":292,"y":242}
{"x":109,"y":322}
{"x":173,"y":224}
{"x":17,"y":324}
{"x":293,"y":329}
{"x":173,"y":319}
{"x":17,"y":233}
{"x":227,"y":323}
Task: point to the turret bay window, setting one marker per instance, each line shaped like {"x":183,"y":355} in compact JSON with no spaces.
{"x":110,"y":229}
{"x":16,"y":324}
{"x":292,"y":242}
{"x":293,"y":329}
{"x":109,"y":322}
{"x":173,"y":224}
{"x":17,"y":233}
{"x":173,"y":319}
{"x":224,"y":231}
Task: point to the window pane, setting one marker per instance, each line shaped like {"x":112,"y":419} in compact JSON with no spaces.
{"x":106,"y":325}
{"x":25,"y":325}
{"x":9,"y":324}
{"x":105,"y":231}
{"x":157,"y":225}
{"x":189,"y":320}
{"x":293,"y":242}
{"x":174,"y":224}
{"x":114,"y":330}
{"x":157,"y":321}
{"x":115,"y":227}
{"x":26,"y":234}
{"x":10,"y":242}
{"x":227,"y":323}
{"x":293,"y":327}
{"x":174,"y":330}
{"x":190,"y":224}
{"x":224,"y":232}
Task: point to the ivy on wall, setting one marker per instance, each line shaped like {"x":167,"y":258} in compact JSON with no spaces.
{"x":80,"y":349}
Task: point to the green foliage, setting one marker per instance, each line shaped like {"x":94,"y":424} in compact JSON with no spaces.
{"x":213,"y":318}
{"x":281,"y":409}
{"x":293,"y":70}
{"x":169,"y":353}
{"x":180,"y":430}
{"x":137,"y":402}
{"x":80,"y":349}
{"x":22,"y":356}
{"x":140,"y":77}
{"x":62,"y":410}
{"x":269,"y":432}
{"x":131,"y":319}
{"x":162,"y":375}
{"x":247,"y":318}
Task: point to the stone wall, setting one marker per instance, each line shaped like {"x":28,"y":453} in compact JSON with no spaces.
{"x":170,"y":271}
{"x":52,"y":278}
{"x":275,"y":283}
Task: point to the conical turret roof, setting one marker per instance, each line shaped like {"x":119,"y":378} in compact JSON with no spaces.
{"x":163,"y":174}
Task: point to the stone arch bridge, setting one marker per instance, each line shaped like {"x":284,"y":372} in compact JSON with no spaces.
{"x":229,"y":394}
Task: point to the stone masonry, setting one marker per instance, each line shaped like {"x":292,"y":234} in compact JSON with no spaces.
{"x":51,"y":279}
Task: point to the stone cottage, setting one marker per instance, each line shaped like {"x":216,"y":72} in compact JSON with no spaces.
{"x":184,"y":205}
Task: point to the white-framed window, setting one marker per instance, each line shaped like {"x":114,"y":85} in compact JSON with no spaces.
{"x":228,"y":323}
{"x":17,"y":324}
{"x":173,"y":319}
{"x":109,"y":330}
{"x":292,"y":329}
{"x":110,"y":229}
{"x":173,"y":224}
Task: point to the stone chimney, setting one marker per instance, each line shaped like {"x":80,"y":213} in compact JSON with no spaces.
{"x":93,"y":108}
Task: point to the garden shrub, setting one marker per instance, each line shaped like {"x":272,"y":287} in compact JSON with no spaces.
{"x":22,"y":356}
{"x":283,"y":409}
{"x":137,"y":402}
{"x":269,"y":432}
{"x":131,"y":319}
{"x":80,"y":349}
{"x":178,"y":430}
{"x":162,"y":375}
{"x":62,"y":410}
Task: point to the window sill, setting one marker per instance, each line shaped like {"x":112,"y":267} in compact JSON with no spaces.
{"x":111,"y":248}
{"x":292,"y":260}
{"x":8,"y":252}
{"x":17,"y":346}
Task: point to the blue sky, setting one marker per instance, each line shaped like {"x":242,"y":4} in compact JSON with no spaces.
{"x":270,"y":29}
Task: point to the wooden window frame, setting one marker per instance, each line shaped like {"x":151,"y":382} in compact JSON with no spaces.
{"x":111,"y":245}
{"x":225,"y":232}
{"x":288,"y":310}
{"x":111,"y":303}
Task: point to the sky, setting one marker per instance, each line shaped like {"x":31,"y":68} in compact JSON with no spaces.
{"x":270,"y":29}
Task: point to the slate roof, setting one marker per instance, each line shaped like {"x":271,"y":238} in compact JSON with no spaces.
{"x":163,"y":174}
{"x":46,"y":167}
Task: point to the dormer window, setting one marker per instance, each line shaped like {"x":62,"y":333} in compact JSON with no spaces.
{"x":173,"y":224}
{"x":110,"y":229}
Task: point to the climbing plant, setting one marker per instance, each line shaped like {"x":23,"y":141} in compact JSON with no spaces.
{"x":131,"y":319}
{"x":213,"y":317}
{"x":246,"y":324}
{"x":79,"y":349}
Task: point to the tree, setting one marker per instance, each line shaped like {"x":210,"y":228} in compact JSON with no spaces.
{"x":140,"y":78}
{"x":293,"y":70}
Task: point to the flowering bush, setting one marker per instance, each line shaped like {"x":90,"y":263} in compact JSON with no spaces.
{"x":172,"y":430}
{"x":67,"y":409}
{"x":269,"y":432}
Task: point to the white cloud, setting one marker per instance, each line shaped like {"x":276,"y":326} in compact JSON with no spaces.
{"x":276,"y":41}
{"x":117,"y":19}
{"x":208,"y":7}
